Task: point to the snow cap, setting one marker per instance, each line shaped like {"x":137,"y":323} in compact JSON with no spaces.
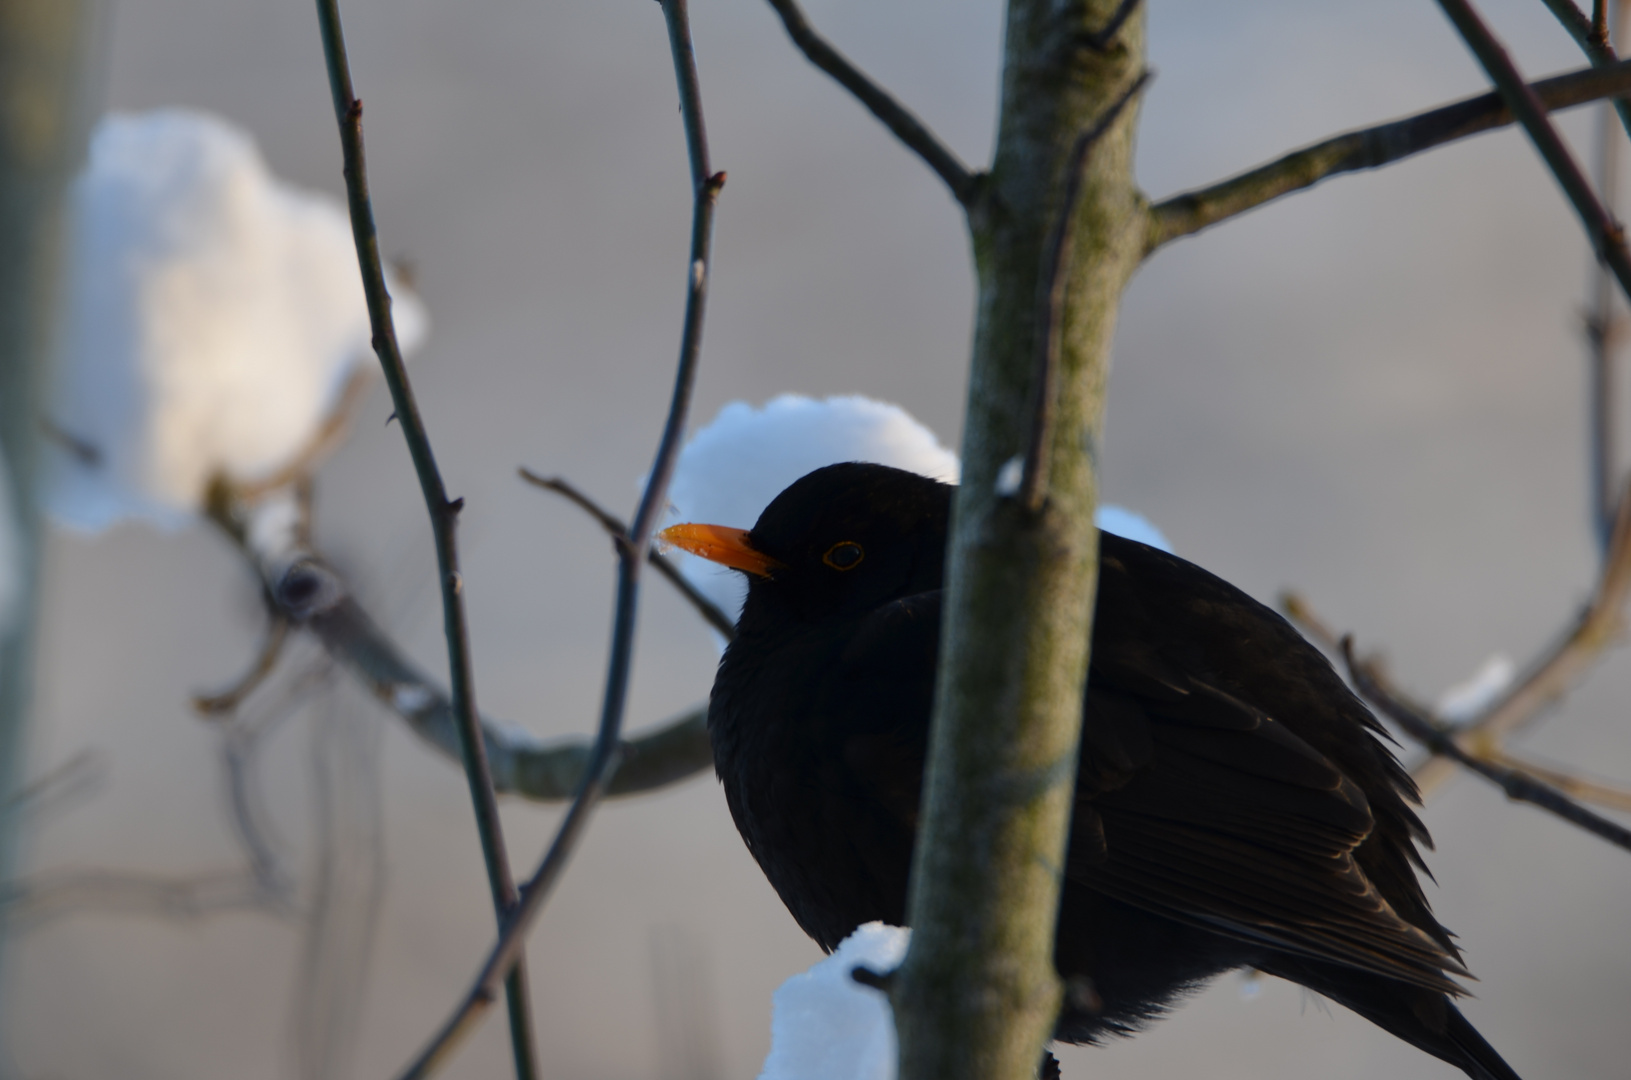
{"x":213,"y":315}
{"x":825,"y":1025}
{"x":733,"y":467}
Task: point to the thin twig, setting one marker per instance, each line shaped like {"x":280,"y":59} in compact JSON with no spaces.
{"x":1603,"y":325}
{"x":1518,"y":786}
{"x":706,"y":186}
{"x":1054,"y":281}
{"x":618,"y":531}
{"x":443,"y":515}
{"x":1607,"y":237}
{"x":1469,"y":739}
{"x":1612,"y":796}
{"x":1102,"y":38}
{"x":1555,"y":671}
{"x":964,"y":184}
{"x":1368,"y":148}
{"x":1592,"y":37}
{"x":277,"y":632}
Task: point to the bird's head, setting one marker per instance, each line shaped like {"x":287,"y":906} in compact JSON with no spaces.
{"x":837,"y":543}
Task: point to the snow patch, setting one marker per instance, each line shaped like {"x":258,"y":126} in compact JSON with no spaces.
{"x":1466,"y":699}
{"x":212,"y":316}
{"x":826,"y":1026}
{"x":731,"y":469}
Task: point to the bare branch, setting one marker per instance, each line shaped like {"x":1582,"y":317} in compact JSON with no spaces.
{"x":1517,"y":785}
{"x":1611,"y":796}
{"x":965,"y":185}
{"x":1555,"y":671}
{"x":443,"y":518}
{"x":1369,"y":148}
{"x":1606,"y":236}
{"x":618,"y":531}
{"x":705,"y":185}
{"x":277,"y":632}
{"x":1033,"y":485}
{"x":1592,"y":37}
{"x":1103,"y":37}
{"x":1547,"y":788}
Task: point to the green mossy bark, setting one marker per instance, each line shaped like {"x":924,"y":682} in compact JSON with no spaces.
{"x":978,"y":994}
{"x":42,"y":138}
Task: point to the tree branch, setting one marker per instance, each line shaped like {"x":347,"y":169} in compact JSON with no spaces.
{"x":1606,"y":235}
{"x":706,"y":186}
{"x":1592,"y":37}
{"x":978,"y":996}
{"x":443,"y":519}
{"x":897,"y":118}
{"x":1518,"y":786}
{"x":618,"y":531}
{"x":1369,"y":148}
{"x":309,"y":594}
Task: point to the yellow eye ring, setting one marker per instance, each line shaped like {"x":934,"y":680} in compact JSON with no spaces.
{"x":844,"y":555}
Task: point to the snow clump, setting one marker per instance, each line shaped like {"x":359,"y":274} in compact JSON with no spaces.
{"x":824,"y":1025}
{"x":213,"y":315}
{"x":731,"y":469}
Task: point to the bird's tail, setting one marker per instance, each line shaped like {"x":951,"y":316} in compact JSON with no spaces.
{"x":1419,"y":1016}
{"x":1479,"y":1059}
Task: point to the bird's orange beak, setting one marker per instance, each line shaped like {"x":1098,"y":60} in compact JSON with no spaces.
{"x":721,"y":544}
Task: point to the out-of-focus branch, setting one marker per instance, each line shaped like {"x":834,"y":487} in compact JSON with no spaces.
{"x":444,"y":513}
{"x":39,"y":898}
{"x":1450,"y":746}
{"x":619,"y":534}
{"x":314,"y":597}
{"x":277,"y":632}
{"x":1518,"y":786}
{"x":1593,"y":41}
{"x":964,"y":184}
{"x":1605,"y":234}
{"x":705,"y":188}
{"x":1369,"y":148}
{"x":1611,"y":796}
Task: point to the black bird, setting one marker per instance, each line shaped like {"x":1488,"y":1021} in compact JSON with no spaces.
{"x":1235,"y":805}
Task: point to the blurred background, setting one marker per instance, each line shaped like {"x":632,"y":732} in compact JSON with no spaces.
{"x":1373,"y":392}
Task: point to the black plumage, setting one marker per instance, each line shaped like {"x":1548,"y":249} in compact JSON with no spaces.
{"x":1235,"y":803}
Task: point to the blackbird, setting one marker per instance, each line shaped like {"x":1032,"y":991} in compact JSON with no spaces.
{"x":1235,"y":804}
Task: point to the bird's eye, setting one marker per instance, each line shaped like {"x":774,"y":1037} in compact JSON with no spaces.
{"x":844,"y":555}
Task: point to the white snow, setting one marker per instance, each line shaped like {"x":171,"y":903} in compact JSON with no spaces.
{"x":11,"y":584}
{"x":733,"y":467}
{"x":1466,"y":699}
{"x":826,"y":1026}
{"x":212,"y":315}
{"x":1134,"y":526}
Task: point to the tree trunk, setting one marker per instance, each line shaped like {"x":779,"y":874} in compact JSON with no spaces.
{"x":978,"y":994}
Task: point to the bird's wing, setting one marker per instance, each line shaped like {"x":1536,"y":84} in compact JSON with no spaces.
{"x":1197,"y":805}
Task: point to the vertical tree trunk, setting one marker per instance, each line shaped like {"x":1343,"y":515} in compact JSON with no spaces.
{"x":978,"y":994}
{"x":41,"y":141}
